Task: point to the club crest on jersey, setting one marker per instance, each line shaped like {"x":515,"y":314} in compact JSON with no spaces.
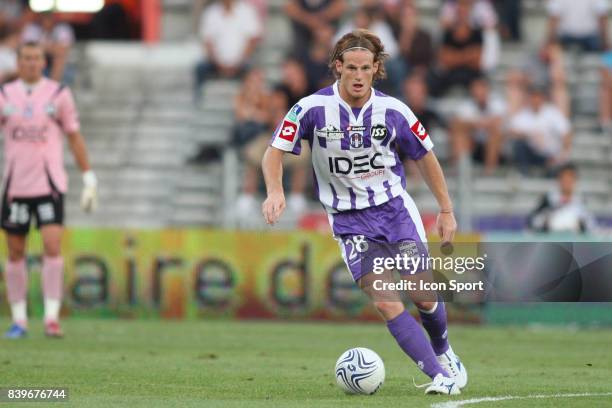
{"x":356,"y":140}
{"x":329,"y":133}
{"x":356,"y":135}
{"x":419,"y":130}
{"x":378,"y":132}
{"x":288,"y":131}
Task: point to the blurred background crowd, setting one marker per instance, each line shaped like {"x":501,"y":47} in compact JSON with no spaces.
{"x":522,"y":124}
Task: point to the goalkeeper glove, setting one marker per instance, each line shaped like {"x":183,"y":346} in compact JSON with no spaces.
{"x":89,"y":196}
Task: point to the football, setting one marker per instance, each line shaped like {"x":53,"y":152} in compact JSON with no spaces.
{"x":360,"y":371}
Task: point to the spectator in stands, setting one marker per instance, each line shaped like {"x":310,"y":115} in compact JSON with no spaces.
{"x":541,"y":133}
{"x":563,"y":209}
{"x":416,"y":96}
{"x":477,"y":126}
{"x":459,"y":58}
{"x":198,"y":7}
{"x":605,"y":93}
{"x":9,"y":40}
{"x":393,"y":13}
{"x":251,"y":117}
{"x":370,"y":15}
{"x":415,"y":43}
{"x":229,"y":30}
{"x":251,"y":113}
{"x":583,"y":23}
{"x":57,"y":39}
{"x":510,"y":13}
{"x":113,"y":22}
{"x":11,"y":12}
{"x":546,"y":69}
{"x":309,"y":16}
{"x":246,"y":204}
{"x":294,"y":83}
{"x":481,"y":16}
{"x":316,"y":66}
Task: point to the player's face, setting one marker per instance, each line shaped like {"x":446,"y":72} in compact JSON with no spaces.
{"x":356,"y":75}
{"x":31,"y":63}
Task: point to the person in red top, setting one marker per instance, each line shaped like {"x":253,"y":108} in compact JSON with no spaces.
{"x":35,"y":114}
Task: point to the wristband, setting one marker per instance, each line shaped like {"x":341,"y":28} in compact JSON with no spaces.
{"x":90,"y":179}
{"x":448,"y":211}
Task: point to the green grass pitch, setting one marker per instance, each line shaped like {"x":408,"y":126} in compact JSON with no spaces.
{"x":149,"y":363}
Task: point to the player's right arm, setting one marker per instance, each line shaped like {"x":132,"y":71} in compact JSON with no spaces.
{"x":272,"y":167}
{"x":286,"y":139}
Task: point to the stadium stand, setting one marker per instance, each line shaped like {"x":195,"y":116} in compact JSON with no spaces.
{"x":141,"y":126}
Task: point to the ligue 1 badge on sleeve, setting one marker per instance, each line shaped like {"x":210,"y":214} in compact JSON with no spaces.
{"x":8,"y":109}
{"x":295,"y":111}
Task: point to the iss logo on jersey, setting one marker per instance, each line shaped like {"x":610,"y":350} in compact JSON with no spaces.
{"x":379,"y":132}
{"x":419,"y":130}
{"x":288,"y":131}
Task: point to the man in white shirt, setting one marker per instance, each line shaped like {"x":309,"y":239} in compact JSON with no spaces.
{"x":9,"y":40}
{"x":563,"y":209}
{"x":477,"y":128}
{"x":229,"y":30}
{"x":581,"y":23}
{"x":542,"y":133}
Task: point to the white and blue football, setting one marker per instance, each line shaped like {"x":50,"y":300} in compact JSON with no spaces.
{"x":360,"y":371}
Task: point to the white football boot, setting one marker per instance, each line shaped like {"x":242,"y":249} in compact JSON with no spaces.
{"x":442,"y":385}
{"x":454,"y":367}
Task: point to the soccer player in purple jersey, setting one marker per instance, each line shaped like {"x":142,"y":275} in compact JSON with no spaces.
{"x":354,"y":132}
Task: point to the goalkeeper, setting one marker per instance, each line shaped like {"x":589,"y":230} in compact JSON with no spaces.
{"x":36,"y":114}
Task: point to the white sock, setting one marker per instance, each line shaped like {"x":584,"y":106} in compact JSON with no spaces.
{"x":52,"y":309}
{"x":431,"y":311}
{"x":19,"y":311}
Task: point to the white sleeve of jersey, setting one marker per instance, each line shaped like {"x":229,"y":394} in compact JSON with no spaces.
{"x":289,"y":132}
{"x":418,"y":130}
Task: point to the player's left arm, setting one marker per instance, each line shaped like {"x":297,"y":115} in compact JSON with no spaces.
{"x":89,"y":195}
{"x":76,"y":141}
{"x":69,"y":118}
{"x":414,"y":140}
{"x":434,"y":177}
